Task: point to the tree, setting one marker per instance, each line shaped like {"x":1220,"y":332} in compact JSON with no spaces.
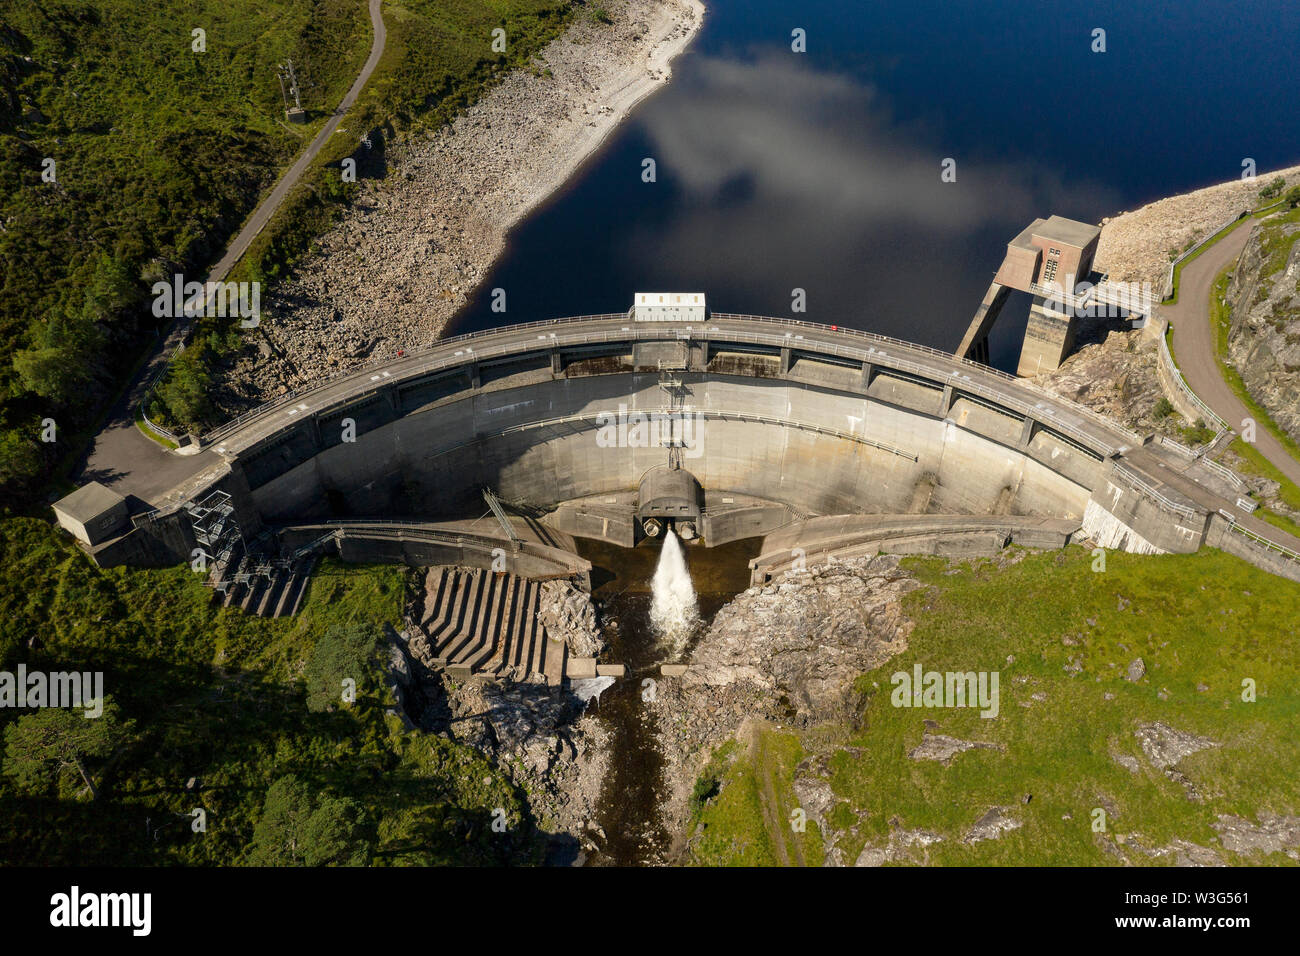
{"x":62,"y":363}
{"x":1274,"y":188}
{"x":343,"y":652}
{"x":1293,"y":196}
{"x":300,"y":829}
{"x":47,"y":744}
{"x":184,"y":393}
{"x":20,"y":460}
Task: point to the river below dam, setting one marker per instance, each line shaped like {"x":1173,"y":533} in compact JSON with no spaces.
{"x":622,"y":586}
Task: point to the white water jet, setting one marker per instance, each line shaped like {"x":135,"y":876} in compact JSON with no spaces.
{"x":673,"y":611}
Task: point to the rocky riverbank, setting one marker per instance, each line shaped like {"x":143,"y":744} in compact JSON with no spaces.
{"x":414,"y":245}
{"x":787,"y":652}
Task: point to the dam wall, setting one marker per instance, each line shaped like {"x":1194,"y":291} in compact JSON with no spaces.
{"x":816,"y":450}
{"x":777,"y":420}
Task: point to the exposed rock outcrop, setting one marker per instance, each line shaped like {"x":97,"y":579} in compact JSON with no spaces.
{"x":541,"y":739}
{"x":1264,"y":341}
{"x":789,"y":651}
{"x":568,"y":614}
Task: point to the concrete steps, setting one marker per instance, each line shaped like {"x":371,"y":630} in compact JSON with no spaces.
{"x":488,"y":632}
{"x":483,"y":622}
{"x":462,"y":636}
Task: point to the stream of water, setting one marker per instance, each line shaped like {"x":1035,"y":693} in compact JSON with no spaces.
{"x":624,"y":585}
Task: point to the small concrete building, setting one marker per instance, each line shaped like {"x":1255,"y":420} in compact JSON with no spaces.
{"x":1053,"y":253}
{"x":669,"y":307}
{"x":92,"y":513}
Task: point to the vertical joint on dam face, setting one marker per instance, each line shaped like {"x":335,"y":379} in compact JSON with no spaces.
{"x":1027,"y":432}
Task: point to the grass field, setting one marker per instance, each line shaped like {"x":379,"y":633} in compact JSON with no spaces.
{"x":1202,"y":624}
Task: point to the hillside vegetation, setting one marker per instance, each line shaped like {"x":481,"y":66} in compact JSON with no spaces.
{"x":1068,"y":737}
{"x":159,"y":154}
{"x":232,"y":714}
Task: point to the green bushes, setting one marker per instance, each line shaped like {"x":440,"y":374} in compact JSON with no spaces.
{"x":219,"y":717}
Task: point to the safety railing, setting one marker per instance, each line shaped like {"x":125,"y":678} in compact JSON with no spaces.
{"x":1167,"y":360}
{"x":943,"y":374}
{"x":1134,"y":478}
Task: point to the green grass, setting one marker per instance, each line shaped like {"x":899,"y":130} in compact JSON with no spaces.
{"x":1276,"y":242}
{"x":1201,"y":619}
{"x":217,"y":696}
{"x":149,"y":433}
{"x":748,"y":821}
{"x":1254,"y":463}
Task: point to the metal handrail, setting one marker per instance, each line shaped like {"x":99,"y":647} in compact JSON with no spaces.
{"x":1133,"y":478}
{"x":1167,"y":358}
{"x":1268,"y":544}
{"x":641,"y":331}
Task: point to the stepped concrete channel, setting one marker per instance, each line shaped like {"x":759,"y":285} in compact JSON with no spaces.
{"x":826,"y":441}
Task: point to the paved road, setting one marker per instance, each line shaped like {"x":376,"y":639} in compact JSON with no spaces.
{"x":1194,"y":345}
{"x":120,"y":450}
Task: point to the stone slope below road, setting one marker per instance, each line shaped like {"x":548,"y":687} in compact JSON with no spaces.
{"x":413,"y":248}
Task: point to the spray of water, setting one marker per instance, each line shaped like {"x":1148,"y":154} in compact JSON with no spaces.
{"x":673,"y":610}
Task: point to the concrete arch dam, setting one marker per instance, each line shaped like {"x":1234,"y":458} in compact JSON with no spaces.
{"x":776,"y":423}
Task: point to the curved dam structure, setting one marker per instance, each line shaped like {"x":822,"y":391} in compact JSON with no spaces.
{"x":720,"y":426}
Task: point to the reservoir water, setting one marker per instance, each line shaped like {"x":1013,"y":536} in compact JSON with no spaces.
{"x":820,"y":170}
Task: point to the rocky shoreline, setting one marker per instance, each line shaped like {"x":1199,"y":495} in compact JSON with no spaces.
{"x":414,"y":246}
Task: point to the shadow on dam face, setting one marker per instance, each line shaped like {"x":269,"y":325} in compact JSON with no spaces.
{"x":545,"y":443}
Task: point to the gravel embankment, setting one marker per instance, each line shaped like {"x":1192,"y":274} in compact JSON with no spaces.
{"x":411,"y":250}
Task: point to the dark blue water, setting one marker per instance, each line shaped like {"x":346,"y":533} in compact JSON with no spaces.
{"x":821,"y":170}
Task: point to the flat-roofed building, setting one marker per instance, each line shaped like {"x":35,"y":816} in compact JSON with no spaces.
{"x":669,"y":307}
{"x":93,"y":513}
